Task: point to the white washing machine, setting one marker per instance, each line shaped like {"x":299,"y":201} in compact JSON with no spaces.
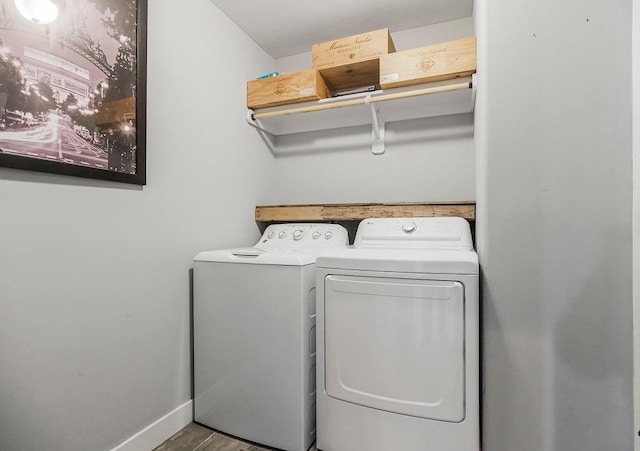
{"x":254,"y":335}
{"x":398,"y":339}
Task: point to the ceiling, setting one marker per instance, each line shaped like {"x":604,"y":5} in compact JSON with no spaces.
{"x":289,"y":27}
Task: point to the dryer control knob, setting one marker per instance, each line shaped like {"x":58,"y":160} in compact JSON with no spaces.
{"x":271,"y":234}
{"x":282,"y":234}
{"x":298,"y":234}
{"x":328,"y":235}
{"x":315,"y":235}
{"x":409,"y":228}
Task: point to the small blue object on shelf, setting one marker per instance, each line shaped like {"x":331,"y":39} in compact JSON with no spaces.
{"x":272,"y":74}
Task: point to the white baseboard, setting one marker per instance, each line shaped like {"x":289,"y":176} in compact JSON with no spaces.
{"x":159,"y":431}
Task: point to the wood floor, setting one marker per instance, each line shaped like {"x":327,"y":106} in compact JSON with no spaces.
{"x":199,"y":438}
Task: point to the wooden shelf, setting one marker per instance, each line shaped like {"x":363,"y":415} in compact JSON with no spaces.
{"x":357,"y":212}
{"x":399,"y":104}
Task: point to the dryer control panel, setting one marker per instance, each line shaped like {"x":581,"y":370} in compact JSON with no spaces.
{"x":303,"y":236}
{"x":414,"y":233}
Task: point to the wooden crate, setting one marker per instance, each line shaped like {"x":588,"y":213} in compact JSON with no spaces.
{"x":352,"y":62}
{"x":352,"y":76}
{"x":352,"y":49}
{"x":427,"y":64}
{"x":284,"y":89}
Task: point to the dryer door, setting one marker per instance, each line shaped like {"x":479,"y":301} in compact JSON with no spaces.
{"x":396,"y":345}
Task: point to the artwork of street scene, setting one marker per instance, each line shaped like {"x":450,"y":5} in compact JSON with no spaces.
{"x":68,"y":88}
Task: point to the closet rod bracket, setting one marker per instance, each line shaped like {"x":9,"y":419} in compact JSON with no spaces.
{"x":265,"y":134}
{"x":377,"y":129}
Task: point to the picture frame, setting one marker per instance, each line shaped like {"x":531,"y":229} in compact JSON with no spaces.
{"x":73,"y":90}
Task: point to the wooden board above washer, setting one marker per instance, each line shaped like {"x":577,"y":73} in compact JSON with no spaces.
{"x":357,"y":212}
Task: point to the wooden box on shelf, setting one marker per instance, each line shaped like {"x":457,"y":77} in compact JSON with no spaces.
{"x":353,"y":61}
{"x":428,"y":64}
{"x":303,"y":86}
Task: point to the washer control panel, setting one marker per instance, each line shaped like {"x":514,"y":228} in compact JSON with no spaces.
{"x":303,"y":236}
{"x":415,"y":233}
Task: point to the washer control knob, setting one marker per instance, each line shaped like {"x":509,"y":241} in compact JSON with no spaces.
{"x":298,"y":234}
{"x":316,"y":235}
{"x":282,"y":234}
{"x":271,"y":234}
{"x":328,"y":235}
{"x":409,"y":228}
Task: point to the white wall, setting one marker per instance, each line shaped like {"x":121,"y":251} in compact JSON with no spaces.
{"x":425,"y":160}
{"x":94,"y":276}
{"x":553,"y":129}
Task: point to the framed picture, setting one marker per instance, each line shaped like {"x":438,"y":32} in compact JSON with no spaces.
{"x":73,"y":87}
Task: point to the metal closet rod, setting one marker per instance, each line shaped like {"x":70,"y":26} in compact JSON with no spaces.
{"x":365,"y":100}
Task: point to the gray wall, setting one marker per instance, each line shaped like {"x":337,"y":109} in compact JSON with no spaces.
{"x":425,"y":160}
{"x":553,"y":129}
{"x":636,"y":216}
{"x":94,"y":276}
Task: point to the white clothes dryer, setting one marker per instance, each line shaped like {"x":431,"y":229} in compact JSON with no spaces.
{"x":254,"y":316}
{"x":398,"y":339}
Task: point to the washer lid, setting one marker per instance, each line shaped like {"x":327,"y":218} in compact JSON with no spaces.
{"x":401,"y":260}
{"x":258,"y":256}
